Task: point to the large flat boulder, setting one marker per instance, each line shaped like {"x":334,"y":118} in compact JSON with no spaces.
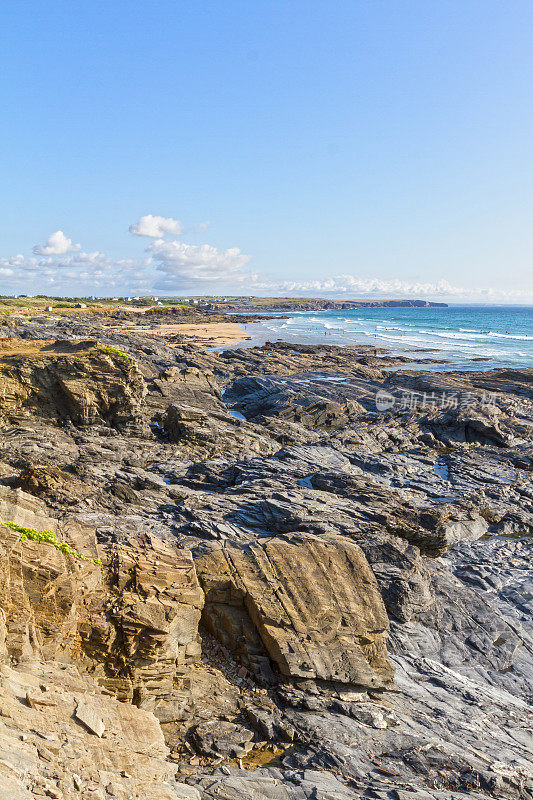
{"x":190,"y":385}
{"x":314,"y":603}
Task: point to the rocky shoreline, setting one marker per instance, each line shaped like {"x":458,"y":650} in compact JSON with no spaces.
{"x":282,"y":571}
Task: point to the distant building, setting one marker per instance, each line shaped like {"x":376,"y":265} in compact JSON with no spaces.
{"x":80,"y":305}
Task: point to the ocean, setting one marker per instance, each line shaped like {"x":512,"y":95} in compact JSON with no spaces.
{"x":460,"y":333}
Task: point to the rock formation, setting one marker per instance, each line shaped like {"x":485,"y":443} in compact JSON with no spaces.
{"x":226,"y":575}
{"x":315,"y":605}
{"x":81,"y":382}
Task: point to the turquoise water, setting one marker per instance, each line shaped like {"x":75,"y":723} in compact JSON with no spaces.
{"x":461,"y":333}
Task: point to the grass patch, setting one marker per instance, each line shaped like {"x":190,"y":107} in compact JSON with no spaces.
{"x":114,"y":351}
{"x":48,"y":537}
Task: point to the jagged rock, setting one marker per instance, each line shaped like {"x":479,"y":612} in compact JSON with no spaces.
{"x":51,"y":754}
{"x":262,"y":499}
{"x":287,"y":433}
{"x":123,"y":492}
{"x":314,"y":603}
{"x":287,"y":358}
{"x":188,"y":386}
{"x":404,"y":578}
{"x":176,"y":707}
{"x":475,"y":411}
{"x":290,"y":401}
{"x":77,"y":381}
{"x":88,"y":717}
{"x":155,"y":605}
{"x":215,"y":738}
{"x":44,"y":594}
{"x":132,"y":623}
{"x":466,"y":425}
{"x":53,"y":484}
{"x":209,"y":434}
{"x":270,"y":724}
{"x":433,"y":530}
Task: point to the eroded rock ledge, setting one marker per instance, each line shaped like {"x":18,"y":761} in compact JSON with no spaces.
{"x":82,"y":382}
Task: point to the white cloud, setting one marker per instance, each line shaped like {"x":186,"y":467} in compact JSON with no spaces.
{"x":183,"y":265}
{"x":57,"y":244}
{"x":351,"y":287}
{"x":75,"y":273}
{"x":173,"y":267}
{"x":155,"y":227}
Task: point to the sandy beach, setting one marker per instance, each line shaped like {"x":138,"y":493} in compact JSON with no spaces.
{"x":214,"y":334}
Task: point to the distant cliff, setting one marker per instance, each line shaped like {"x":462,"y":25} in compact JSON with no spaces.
{"x":314,"y":303}
{"x":393,"y":304}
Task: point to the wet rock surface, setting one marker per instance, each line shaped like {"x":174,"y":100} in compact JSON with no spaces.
{"x":283,"y":571}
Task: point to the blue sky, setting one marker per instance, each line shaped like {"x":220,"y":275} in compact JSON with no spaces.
{"x":378,"y":148}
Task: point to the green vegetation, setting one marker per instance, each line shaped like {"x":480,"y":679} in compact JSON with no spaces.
{"x":113,"y":351}
{"x":48,"y":537}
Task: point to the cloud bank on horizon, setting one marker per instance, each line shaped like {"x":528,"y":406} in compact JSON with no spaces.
{"x":172,"y":267}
